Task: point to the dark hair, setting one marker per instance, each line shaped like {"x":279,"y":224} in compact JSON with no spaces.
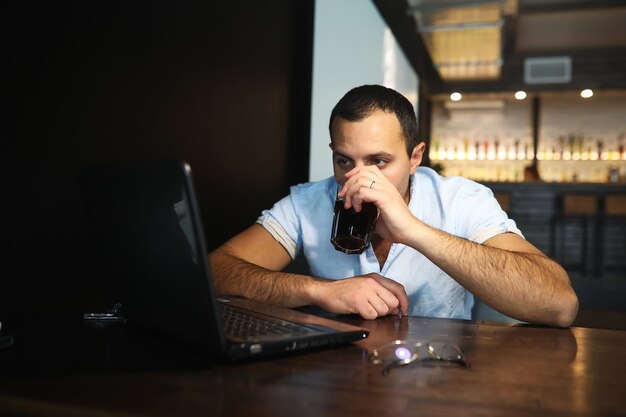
{"x":361,"y":102}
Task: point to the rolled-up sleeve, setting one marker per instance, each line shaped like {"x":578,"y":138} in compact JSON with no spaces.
{"x":282,"y":223}
{"x":484,"y":218}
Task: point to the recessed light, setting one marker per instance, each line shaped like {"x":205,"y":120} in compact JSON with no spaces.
{"x":455,"y":96}
{"x":586,"y":93}
{"x":520,"y":95}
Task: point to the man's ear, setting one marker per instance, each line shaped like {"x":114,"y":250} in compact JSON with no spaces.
{"x":417,"y":155}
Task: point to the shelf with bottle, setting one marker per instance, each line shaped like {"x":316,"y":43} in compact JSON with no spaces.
{"x":484,"y":170}
{"x":575,"y":149}
{"x":593,"y":171}
{"x":481,"y":150}
{"x":596,"y":171}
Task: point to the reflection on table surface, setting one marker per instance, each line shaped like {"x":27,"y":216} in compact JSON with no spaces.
{"x":515,"y":370}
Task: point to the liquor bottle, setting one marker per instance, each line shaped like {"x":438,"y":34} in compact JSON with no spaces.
{"x":571,"y":142}
{"x":600,"y":150}
{"x":561,"y":146}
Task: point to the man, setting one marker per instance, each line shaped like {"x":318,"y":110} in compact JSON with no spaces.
{"x":438,"y":241}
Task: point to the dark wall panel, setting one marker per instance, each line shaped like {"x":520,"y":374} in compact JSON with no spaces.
{"x":225,"y":86}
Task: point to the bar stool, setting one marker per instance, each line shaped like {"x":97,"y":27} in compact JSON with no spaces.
{"x":574,"y":221}
{"x":612,"y":247}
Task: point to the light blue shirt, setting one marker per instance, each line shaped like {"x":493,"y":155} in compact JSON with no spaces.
{"x":302,"y":222}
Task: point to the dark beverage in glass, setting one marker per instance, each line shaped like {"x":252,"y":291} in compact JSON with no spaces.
{"x":352,"y":231}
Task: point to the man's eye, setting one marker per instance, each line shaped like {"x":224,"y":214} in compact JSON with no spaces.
{"x":342,"y":162}
{"x":379,"y":162}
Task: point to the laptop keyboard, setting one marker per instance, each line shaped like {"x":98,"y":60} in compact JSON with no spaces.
{"x":239,"y":324}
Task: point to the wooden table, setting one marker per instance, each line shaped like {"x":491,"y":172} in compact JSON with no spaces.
{"x":516,"y":370}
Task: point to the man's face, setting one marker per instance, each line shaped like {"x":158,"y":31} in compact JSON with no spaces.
{"x":375,"y":140}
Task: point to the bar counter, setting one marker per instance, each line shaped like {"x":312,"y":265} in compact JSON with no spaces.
{"x":581,"y":225}
{"x":539,"y":198}
{"x":516,"y":370}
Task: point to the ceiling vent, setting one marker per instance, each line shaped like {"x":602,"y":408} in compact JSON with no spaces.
{"x":548,"y":70}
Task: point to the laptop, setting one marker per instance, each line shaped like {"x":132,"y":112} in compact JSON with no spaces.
{"x":148,"y":230}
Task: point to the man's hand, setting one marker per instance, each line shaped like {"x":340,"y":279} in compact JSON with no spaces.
{"x":369,"y":296}
{"x":369,"y":184}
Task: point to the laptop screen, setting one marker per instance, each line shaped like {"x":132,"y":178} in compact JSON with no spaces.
{"x":146,"y":222}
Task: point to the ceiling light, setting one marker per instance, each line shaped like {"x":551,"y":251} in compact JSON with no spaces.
{"x":520,"y":95}
{"x":455,"y":96}
{"x":586,"y":93}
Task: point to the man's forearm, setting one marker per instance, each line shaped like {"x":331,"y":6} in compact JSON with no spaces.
{"x":370,"y":295}
{"x":527,"y":286}
{"x":234,"y":276}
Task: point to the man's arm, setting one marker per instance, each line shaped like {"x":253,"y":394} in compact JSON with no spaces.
{"x":249,"y":265}
{"x":506,"y":272}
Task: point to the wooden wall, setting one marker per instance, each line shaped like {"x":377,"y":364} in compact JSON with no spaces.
{"x":223,"y":85}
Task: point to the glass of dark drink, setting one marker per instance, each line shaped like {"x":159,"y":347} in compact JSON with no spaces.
{"x":352,"y":231}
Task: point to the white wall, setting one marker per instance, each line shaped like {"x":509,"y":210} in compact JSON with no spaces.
{"x":352,"y":46}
